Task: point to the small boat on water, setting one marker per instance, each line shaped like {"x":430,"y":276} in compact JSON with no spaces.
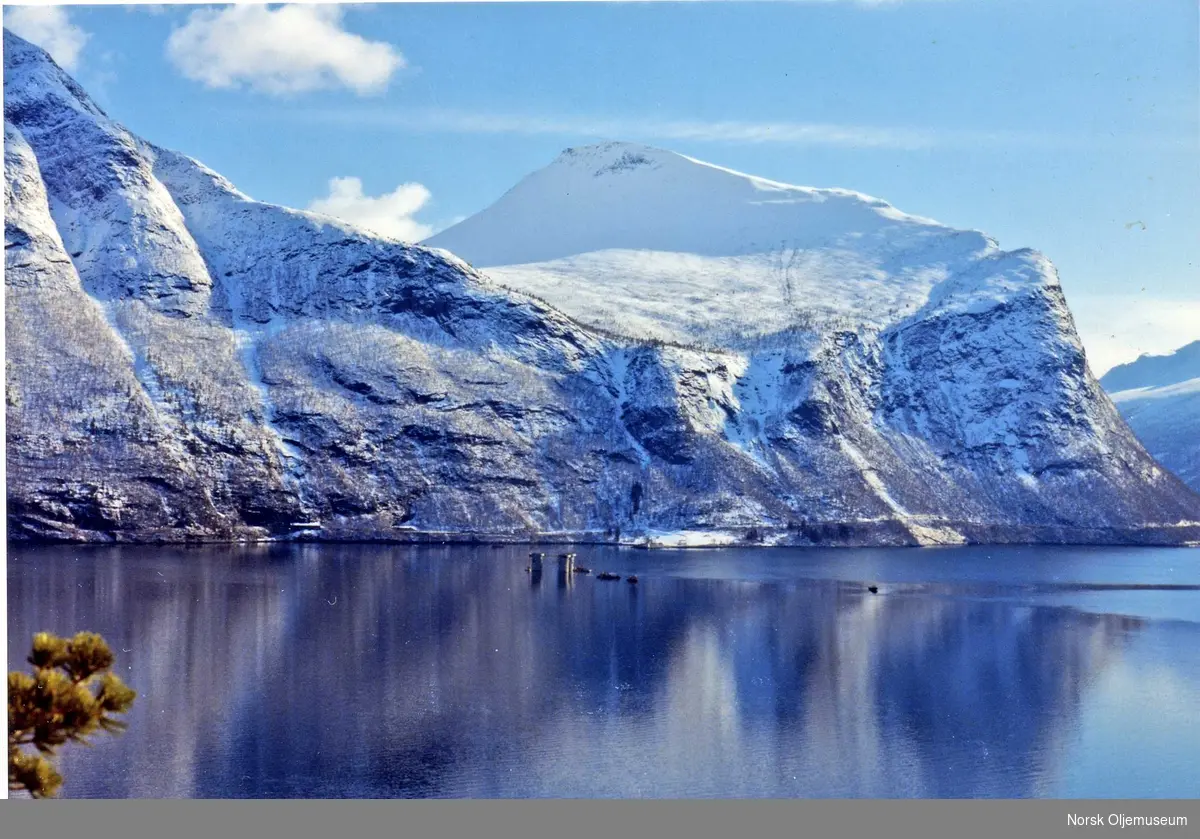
{"x":632,"y":578}
{"x":607,"y":575}
{"x":579,"y":569}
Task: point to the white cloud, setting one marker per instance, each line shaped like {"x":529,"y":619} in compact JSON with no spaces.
{"x":51,"y":29}
{"x":285,"y":50}
{"x":1120,"y":327}
{"x":390,"y":214}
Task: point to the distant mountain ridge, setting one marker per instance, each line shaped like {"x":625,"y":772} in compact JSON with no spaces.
{"x":1155,"y":370}
{"x":186,"y":363}
{"x":1159,"y":396}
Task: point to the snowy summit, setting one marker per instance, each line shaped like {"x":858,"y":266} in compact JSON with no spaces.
{"x":651,"y":243}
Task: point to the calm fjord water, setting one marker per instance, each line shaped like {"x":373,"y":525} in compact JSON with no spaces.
{"x":324,"y":670}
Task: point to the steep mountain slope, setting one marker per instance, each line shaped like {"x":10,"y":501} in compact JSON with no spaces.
{"x":1159,"y":396}
{"x":184,"y":361}
{"x":187,"y":363}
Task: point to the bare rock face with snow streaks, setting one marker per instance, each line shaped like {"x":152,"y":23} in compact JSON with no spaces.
{"x":187,"y":363}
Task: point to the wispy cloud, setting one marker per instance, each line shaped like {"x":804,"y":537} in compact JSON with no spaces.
{"x":51,"y":28}
{"x":390,"y":214}
{"x":731,"y":131}
{"x":289,"y":49}
{"x":466,"y":122}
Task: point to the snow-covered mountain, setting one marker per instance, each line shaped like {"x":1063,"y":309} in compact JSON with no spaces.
{"x":1159,"y":396}
{"x":187,"y":363}
{"x":654,"y":244}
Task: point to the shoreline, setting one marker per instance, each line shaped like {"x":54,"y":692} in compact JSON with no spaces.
{"x":1183,"y":535}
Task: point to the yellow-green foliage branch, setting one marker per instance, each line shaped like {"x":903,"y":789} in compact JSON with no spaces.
{"x":71,"y":694}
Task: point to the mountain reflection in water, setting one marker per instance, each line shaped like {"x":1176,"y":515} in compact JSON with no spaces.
{"x":368,"y":671}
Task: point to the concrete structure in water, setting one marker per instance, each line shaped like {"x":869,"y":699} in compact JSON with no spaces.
{"x":566,"y":570}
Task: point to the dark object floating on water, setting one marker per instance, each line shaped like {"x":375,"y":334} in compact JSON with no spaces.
{"x":873,"y":589}
{"x":579,"y":569}
{"x":607,"y":575}
{"x":632,"y":578}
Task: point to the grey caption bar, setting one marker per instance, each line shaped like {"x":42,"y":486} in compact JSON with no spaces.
{"x":726,"y":819}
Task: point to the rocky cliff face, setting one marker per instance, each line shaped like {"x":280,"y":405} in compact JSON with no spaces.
{"x":187,"y":363}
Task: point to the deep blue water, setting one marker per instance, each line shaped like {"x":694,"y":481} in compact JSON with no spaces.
{"x":367,"y":671}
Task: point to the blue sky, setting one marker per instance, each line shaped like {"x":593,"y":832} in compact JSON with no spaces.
{"x":1072,"y":126}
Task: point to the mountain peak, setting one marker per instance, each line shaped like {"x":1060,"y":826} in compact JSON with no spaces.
{"x":613,"y":157}
{"x":628,"y":196}
{"x":31,"y":75}
{"x":18,"y":51}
